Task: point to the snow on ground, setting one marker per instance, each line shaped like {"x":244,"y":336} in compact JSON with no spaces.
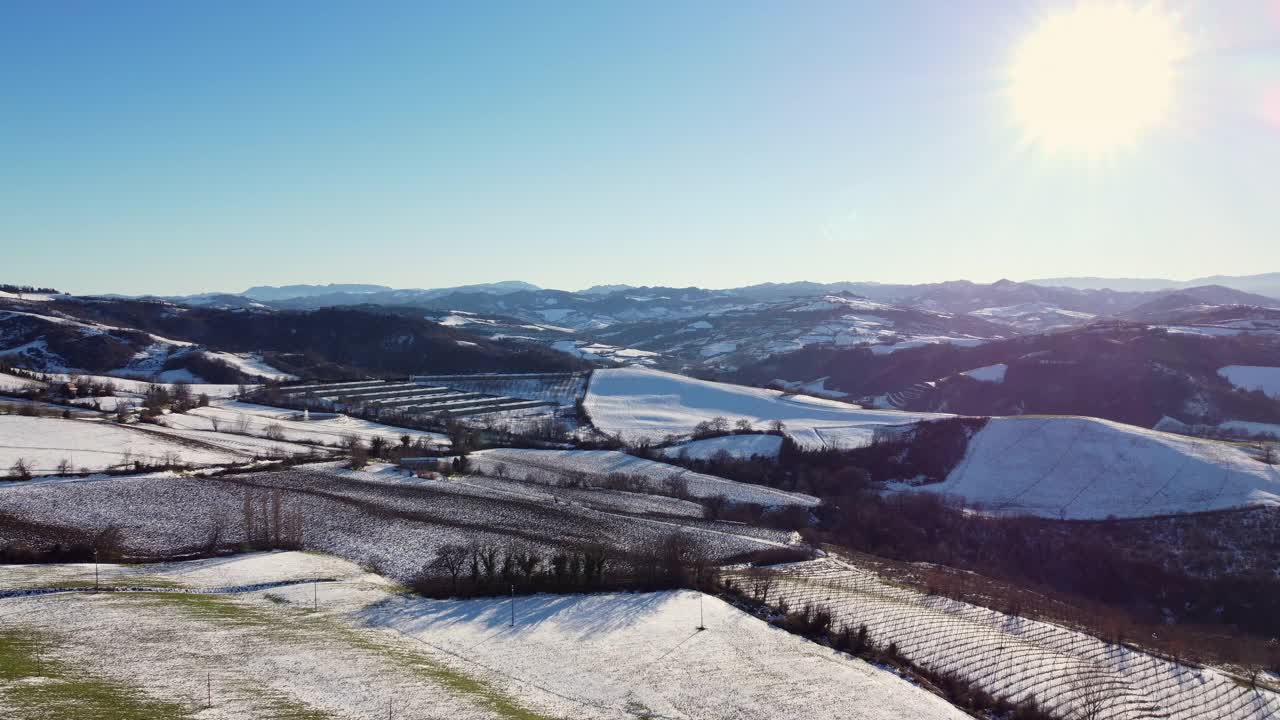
{"x":1080,"y":468}
{"x":132,"y":385}
{"x":601,"y":463}
{"x":738,"y":446}
{"x":250,"y":364}
{"x":560,"y":388}
{"x":366,"y":650}
{"x":96,"y":445}
{"x":1010,"y":656}
{"x":519,"y":488}
{"x":108,"y":403}
{"x":816,"y":388}
{"x":26,"y":297}
{"x":641,"y":655}
{"x":1253,"y":377}
{"x":600,"y":351}
{"x":247,"y":445}
{"x":238,"y":570}
{"x":1256,"y":429}
{"x":394,"y":526}
{"x":641,"y":403}
{"x":13,"y":383}
{"x":248,"y":418}
{"x":990,"y":373}
{"x":919,"y":341}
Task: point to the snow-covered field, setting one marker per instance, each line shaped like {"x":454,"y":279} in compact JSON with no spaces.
{"x":1011,"y":656}
{"x":138,"y":387}
{"x":95,"y":445}
{"x":641,"y":403}
{"x":1080,"y":468}
{"x":250,"y":364}
{"x":13,"y":383}
{"x":123,"y":385}
{"x":600,"y":351}
{"x":248,"y":418}
{"x":1255,"y":429}
{"x":1253,"y":377}
{"x":989,"y":373}
{"x":922,"y":341}
{"x":393,"y":524}
{"x":368,"y":651}
{"x":737,"y":446}
{"x":601,"y":463}
{"x":560,"y":388}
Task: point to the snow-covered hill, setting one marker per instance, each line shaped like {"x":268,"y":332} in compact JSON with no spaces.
{"x":368,"y":650}
{"x":1085,"y":468}
{"x":42,"y":443}
{"x":641,"y":403}
{"x":601,"y":463}
{"x":737,"y":446}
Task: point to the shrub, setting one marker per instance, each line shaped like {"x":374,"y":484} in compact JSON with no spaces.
{"x":20,"y":470}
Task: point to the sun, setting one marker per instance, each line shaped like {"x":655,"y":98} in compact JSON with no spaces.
{"x":1097,"y":77}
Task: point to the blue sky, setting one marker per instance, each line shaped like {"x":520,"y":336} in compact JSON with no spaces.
{"x":184,"y":147}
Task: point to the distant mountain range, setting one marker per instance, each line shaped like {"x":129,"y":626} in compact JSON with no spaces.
{"x":719,"y":330}
{"x":290,"y":292}
{"x":1131,"y":355}
{"x":1264,"y":284}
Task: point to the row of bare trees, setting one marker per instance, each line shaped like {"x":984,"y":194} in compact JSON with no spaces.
{"x":486,"y":568}
{"x":271,"y":520}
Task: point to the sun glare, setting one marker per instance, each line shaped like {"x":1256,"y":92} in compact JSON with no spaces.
{"x":1095,"y":78}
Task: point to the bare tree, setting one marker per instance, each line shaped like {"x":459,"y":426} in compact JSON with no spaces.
{"x":20,"y":470}
{"x":488,"y":556}
{"x":528,"y":560}
{"x":181,"y":397}
{"x":109,"y":542}
{"x":714,"y":506}
{"x":1092,"y":697}
{"x":359,"y":457}
{"x":761,"y":584}
{"x":64,"y":466}
{"x":451,"y":558}
{"x":275,"y":432}
{"x":213,"y":538}
{"x":677,"y":486}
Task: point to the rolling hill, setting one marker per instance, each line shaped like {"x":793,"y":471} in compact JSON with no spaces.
{"x":1085,"y":468}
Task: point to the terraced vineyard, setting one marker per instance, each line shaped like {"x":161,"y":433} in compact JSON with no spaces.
{"x":559,"y":388}
{"x":559,"y":466}
{"x":393,"y":524}
{"x":1009,"y":656}
{"x":417,"y":397}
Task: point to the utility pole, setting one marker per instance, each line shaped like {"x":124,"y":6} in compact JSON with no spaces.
{"x":208,"y":690}
{"x":701,"y":625}
{"x":513,"y":605}
{"x":315,"y":595}
{"x":95,"y":570}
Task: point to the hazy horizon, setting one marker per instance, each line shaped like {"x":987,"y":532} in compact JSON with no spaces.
{"x":579,"y":288}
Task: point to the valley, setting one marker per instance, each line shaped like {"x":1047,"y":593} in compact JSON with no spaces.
{"x":893,"y":494}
